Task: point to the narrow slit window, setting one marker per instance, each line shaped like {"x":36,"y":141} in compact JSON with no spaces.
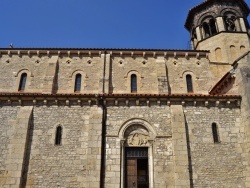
{"x":78,"y":82}
{"x":22,"y":82}
{"x":189,"y":83}
{"x":58,"y":139}
{"x":133,"y":83}
{"x":215,"y":133}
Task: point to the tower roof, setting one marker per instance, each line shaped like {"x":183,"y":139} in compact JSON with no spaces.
{"x":202,"y":6}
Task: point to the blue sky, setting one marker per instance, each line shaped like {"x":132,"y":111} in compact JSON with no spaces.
{"x":95,"y":23}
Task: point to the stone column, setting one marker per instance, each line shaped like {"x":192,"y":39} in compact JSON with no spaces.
{"x":179,"y":147}
{"x":242,"y":24}
{"x":94,"y":148}
{"x":198,"y":33}
{"x":220,"y":24}
{"x":17,"y":147}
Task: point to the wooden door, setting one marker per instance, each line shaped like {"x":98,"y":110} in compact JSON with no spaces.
{"x":136,"y":169}
{"x":131,"y":173}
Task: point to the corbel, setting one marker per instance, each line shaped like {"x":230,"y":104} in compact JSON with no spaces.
{"x":100,"y":53}
{"x":89,"y":102}
{"x":207,"y":56}
{"x":238,"y":103}
{"x":195,"y":102}
{"x":111,"y":52}
{"x":168,"y":103}
{"x":104,"y":102}
{"x":67,"y":102}
{"x":59,"y":53}
{"x":116,"y":102}
{"x":79,"y":102}
{"x":89,"y":53}
{"x":45,"y":102}
{"x":28,"y":52}
{"x":34,"y":101}
{"x":217,"y":103}
{"x":48,"y":53}
{"x":148,"y":102}
{"x":198,"y":56}
{"x":137,"y":102}
{"x":132,"y":54}
{"x":186,"y":55}
{"x":9,"y":102}
{"x":121,"y":54}
{"x":144,"y":54}
{"x":206,"y":103}
{"x":56,"y":101}
{"x":165,"y":54}
{"x":158,"y":102}
{"x":19,"y":53}
{"x":127,"y":102}
{"x":20,"y":102}
{"x":78,"y":53}
{"x":38,"y":53}
{"x":183,"y":103}
{"x":175,"y":55}
{"x":9,"y":53}
{"x":68,"y":52}
{"x":154,"y":54}
{"x":228,"y":103}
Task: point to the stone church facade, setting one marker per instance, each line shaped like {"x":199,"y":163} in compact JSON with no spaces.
{"x":131,"y":118}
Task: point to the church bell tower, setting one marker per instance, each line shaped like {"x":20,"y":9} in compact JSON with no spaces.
{"x":221,"y":27}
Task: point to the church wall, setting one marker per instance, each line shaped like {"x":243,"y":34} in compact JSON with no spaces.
{"x":216,"y":164}
{"x":74,"y":163}
{"x":144,"y":68}
{"x":225,"y":41}
{"x":159,"y":119}
{"x":7,"y":118}
{"x":179,"y":67}
{"x":13,"y":66}
{"x":90,"y":67}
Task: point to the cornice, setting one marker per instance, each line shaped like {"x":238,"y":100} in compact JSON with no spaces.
{"x":63,"y":99}
{"x":98,"y":51}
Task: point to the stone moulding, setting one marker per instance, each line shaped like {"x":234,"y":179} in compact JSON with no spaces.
{"x":68,"y":52}
{"x":40,"y":99}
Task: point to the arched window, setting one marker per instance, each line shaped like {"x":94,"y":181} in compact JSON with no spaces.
{"x":230,"y":21}
{"x":133,"y":83}
{"x":189,"y":83}
{"x":215,"y":133}
{"x":58,"y":139}
{"x":22,"y":82}
{"x":78,"y":81}
{"x":206,"y":30}
{"x":212,"y":27}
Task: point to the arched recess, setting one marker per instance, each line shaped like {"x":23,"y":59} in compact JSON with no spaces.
{"x":233,"y":52}
{"x":231,"y":21}
{"x":18,"y":76}
{"x":242,"y":49}
{"x":73,"y":80}
{"x":218,"y":54}
{"x":138,"y":80}
{"x":137,"y":133}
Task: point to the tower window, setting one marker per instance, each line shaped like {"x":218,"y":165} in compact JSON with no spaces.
{"x":230,"y":21}
{"x":209,"y":27}
{"x":133,"y":83}
{"x":215,"y":133}
{"x":58,"y":139}
{"x":78,"y":81}
{"x":22,"y":82}
{"x":189,"y":83}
